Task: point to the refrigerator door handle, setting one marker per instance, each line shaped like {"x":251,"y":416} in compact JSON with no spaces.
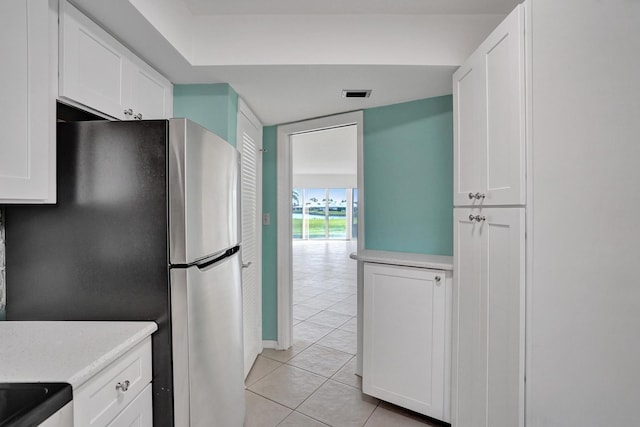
{"x":205,"y":264}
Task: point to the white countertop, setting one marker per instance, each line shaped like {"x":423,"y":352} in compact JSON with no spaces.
{"x":70,"y":352}
{"x":407,"y":259}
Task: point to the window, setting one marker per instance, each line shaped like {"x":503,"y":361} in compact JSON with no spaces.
{"x":324,"y":213}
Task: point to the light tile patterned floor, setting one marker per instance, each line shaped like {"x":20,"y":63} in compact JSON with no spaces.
{"x":314,"y":383}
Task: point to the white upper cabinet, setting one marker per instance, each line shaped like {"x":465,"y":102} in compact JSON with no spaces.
{"x":27,"y":106}
{"x":98,"y":72}
{"x":489,"y":119}
{"x":151,"y":94}
{"x":92,"y":64}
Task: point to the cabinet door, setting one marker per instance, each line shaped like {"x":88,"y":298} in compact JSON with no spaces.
{"x":92,"y":64}
{"x":405,"y":337}
{"x":503,"y":58}
{"x":489,"y":119}
{"x":151,"y":94}
{"x":27,"y":105}
{"x":469,"y":131}
{"x":469,"y":322}
{"x":139,"y":413}
{"x":488,"y":326}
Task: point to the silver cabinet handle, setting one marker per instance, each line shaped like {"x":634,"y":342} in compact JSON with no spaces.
{"x":138,"y":116}
{"x":471,"y":196}
{"x":247,"y":265}
{"x":123,"y":386}
{"x":438,"y":280}
{"x":477,"y":218}
{"x":128,"y":112}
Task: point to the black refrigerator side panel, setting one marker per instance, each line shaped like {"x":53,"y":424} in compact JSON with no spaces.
{"x":100,"y":253}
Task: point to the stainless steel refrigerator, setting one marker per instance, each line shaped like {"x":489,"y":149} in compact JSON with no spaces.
{"x":146,"y":228}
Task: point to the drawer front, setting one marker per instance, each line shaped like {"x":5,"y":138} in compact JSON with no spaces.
{"x":103,"y":397}
{"x":139,"y":413}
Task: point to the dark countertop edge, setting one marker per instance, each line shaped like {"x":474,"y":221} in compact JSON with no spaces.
{"x":38,"y":414}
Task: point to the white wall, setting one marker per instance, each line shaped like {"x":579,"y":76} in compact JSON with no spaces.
{"x":325,"y":181}
{"x":284,"y":39}
{"x":584,"y":300}
{"x":172,"y":19}
{"x":326,"y":158}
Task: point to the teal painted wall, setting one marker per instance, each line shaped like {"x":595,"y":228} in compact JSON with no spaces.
{"x":408,"y":173}
{"x":213,"y":106}
{"x":408,"y":177}
{"x":269,"y":237}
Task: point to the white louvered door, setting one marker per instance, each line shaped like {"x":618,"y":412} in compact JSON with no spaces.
{"x":249,"y":145}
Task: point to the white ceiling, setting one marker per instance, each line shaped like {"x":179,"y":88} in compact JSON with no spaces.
{"x":344,"y":7}
{"x":289,"y":93}
{"x":325,"y":152}
{"x":289,"y":68}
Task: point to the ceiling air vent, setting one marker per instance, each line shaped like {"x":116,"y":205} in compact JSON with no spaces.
{"x":353,"y":93}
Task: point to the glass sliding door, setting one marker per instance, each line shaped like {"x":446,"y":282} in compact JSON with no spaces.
{"x":354,"y":213}
{"x":297,"y":208}
{"x":324,"y":213}
{"x":337,"y":213}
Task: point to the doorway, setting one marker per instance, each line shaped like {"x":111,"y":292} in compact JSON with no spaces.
{"x":326,"y":223}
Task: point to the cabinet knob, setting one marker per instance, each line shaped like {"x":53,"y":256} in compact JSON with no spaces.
{"x":472,"y":218}
{"x":438,"y":280}
{"x":138,"y":116}
{"x":479,"y":218}
{"x":479,"y":196}
{"x":123,"y":386}
{"x":128,"y":112}
{"x":471,"y":195}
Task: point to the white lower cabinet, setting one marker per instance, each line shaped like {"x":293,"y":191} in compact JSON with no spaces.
{"x":406,"y":337}
{"x":62,"y":418}
{"x":488,"y":318}
{"x":137,"y":414}
{"x":119,"y":392}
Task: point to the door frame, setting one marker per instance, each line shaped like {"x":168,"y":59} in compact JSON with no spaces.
{"x":284,"y":232}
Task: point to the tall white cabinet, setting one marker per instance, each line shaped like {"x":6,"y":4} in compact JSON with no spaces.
{"x":489,"y":231}
{"x":577,"y":301}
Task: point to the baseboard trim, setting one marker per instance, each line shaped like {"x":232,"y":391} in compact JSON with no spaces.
{"x":269,"y":344}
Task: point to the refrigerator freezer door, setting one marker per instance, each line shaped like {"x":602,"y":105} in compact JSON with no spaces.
{"x":207,"y":345}
{"x":203,"y":193}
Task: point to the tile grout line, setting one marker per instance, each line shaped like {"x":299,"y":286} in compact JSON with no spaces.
{"x":316,"y":342}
